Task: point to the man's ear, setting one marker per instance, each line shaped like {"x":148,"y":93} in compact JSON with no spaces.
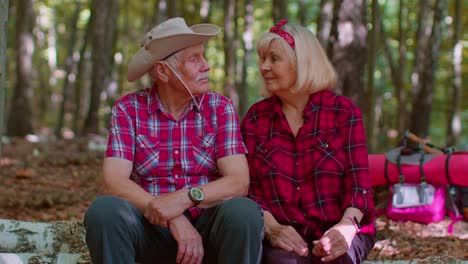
{"x":161,"y":70}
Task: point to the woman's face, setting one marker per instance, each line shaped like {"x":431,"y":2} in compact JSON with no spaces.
{"x":277,"y":72}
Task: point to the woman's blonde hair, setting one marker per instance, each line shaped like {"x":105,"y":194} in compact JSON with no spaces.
{"x":308,"y":59}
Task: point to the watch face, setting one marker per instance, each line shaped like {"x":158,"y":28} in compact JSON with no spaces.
{"x":197,"y":194}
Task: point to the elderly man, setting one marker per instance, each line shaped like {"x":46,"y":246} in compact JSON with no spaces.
{"x":175,"y":165}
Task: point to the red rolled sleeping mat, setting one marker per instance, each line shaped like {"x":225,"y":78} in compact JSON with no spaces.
{"x":434,"y":170}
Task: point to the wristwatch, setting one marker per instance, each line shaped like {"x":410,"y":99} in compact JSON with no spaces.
{"x":355,"y":222}
{"x":196,"y":195}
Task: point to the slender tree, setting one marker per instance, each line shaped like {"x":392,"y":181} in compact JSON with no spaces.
{"x":19,"y":119}
{"x":454,"y":124}
{"x":171,"y":8}
{"x":104,"y":13}
{"x":302,"y":12}
{"x":280,"y":10}
{"x":396,"y":69}
{"x":205,"y":10}
{"x":422,"y":102}
{"x":80,"y":79}
{"x":4,"y":5}
{"x":247,"y":46}
{"x":369,"y":111}
{"x":421,"y":41}
{"x":68,"y":69}
{"x":347,"y":48}
{"x":324,"y":22}
{"x":229,"y":52}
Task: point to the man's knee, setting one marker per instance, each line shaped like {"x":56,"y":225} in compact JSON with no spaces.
{"x":107,"y":210}
{"x":241,"y":211}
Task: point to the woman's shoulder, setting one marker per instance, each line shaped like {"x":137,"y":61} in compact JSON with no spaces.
{"x":263,"y":105}
{"x":334,"y":100}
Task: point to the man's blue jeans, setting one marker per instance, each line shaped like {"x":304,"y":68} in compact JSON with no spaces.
{"x":117,"y":232}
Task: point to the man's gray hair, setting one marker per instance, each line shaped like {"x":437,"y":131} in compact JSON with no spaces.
{"x":173,"y":61}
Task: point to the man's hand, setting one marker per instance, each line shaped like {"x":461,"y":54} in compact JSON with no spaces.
{"x":287,"y":238}
{"x":335,"y":242}
{"x":161,"y":209}
{"x":190,"y":244}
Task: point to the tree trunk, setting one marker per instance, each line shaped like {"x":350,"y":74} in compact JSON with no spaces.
{"x":205,"y":11}
{"x":324,"y":22}
{"x":348,"y":48}
{"x":302,"y":12}
{"x":369,"y":111}
{"x":396,"y":73}
{"x":80,"y":80}
{"x":454,"y":124}
{"x":280,"y":10}
{"x":19,"y":120}
{"x":247,"y":45}
{"x":422,"y":36}
{"x":422,"y":102}
{"x":4,"y":5}
{"x":104,"y":14}
{"x":400,"y":84}
{"x":171,"y":8}
{"x":230,"y":52}
{"x":68,"y":69}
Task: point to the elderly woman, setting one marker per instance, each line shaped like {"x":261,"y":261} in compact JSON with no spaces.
{"x":307,"y":156}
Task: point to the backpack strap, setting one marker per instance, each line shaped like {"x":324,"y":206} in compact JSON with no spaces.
{"x":386,"y":171}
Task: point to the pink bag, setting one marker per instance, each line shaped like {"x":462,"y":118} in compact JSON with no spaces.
{"x":423,"y":203}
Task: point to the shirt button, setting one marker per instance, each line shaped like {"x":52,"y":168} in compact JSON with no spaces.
{"x":176,"y":152}
{"x":298,"y":188}
{"x":297,"y":163}
{"x":176,"y":176}
{"x":364,"y":192}
{"x":326,"y":146}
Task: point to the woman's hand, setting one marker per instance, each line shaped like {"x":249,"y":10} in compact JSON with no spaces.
{"x":287,"y":238}
{"x":336,"y":241}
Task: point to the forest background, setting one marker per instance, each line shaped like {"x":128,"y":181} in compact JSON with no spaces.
{"x":400,"y":61}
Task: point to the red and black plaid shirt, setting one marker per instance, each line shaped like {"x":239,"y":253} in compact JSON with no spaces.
{"x":309,"y":180}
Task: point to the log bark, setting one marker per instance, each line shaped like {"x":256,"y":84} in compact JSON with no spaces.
{"x":39,"y":237}
{"x":56,"y":242}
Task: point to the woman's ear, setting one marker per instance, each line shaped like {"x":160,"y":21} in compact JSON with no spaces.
{"x":161,"y":71}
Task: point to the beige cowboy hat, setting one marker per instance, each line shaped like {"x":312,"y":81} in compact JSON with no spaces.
{"x":165,"y":39}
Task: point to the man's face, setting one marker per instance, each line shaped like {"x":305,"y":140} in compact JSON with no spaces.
{"x":193,"y":69}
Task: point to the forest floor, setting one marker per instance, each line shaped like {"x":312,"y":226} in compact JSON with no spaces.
{"x":52,"y":181}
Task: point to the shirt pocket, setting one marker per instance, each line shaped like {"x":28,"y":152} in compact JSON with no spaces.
{"x":267,"y":158}
{"x":328,"y":167}
{"x":204,"y":156}
{"x":328,"y":152}
{"x":147,"y":152}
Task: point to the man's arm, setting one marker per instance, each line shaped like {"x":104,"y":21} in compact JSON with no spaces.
{"x":234,"y":181}
{"x":116,"y":181}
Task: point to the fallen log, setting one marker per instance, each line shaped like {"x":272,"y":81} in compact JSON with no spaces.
{"x":37,"y":242}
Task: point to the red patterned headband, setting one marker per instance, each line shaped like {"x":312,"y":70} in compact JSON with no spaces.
{"x":276,"y":29}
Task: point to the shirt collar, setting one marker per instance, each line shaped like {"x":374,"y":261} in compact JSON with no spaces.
{"x":313,"y":104}
{"x":154,"y":103}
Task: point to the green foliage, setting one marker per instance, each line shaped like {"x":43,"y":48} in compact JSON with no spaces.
{"x":52,"y":31}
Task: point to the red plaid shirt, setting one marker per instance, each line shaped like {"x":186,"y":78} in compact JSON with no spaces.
{"x":169,"y":154}
{"x":309,"y":180}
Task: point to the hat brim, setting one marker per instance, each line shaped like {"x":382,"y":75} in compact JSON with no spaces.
{"x":160,"y":48}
